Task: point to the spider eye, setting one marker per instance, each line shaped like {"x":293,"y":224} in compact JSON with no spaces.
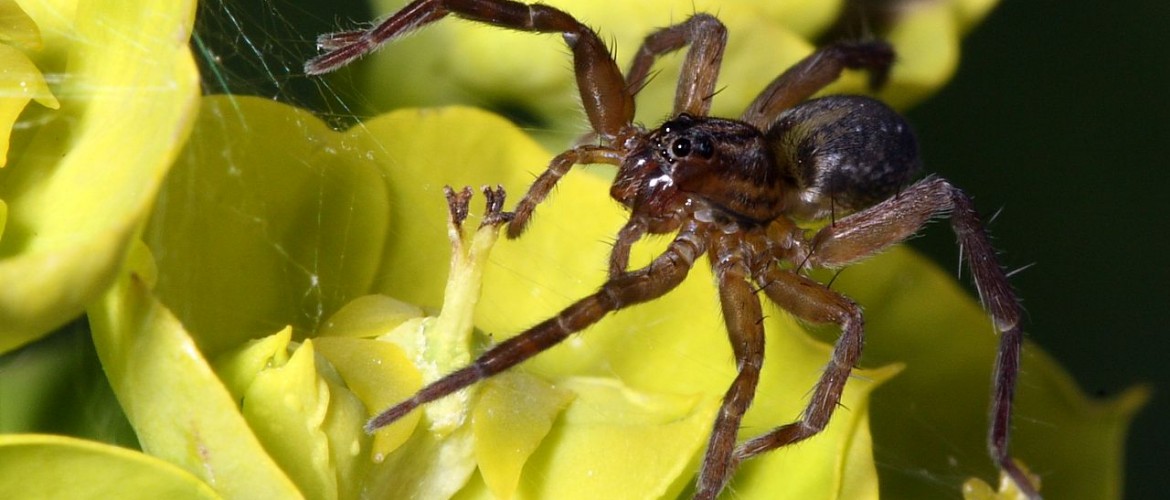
{"x":677,"y":123}
{"x":681,"y":148}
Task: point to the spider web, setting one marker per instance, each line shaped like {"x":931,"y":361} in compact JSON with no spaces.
{"x":259,"y":48}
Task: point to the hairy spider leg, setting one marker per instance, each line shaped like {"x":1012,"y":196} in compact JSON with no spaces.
{"x":811,"y":302}
{"x":707,"y":37}
{"x":865,"y":233}
{"x":629,"y":234}
{"x":744,"y":319}
{"x":557,"y":168}
{"x":814,"y":72}
{"x":603,"y":89}
{"x":662,"y":275}
{"x":344,"y":47}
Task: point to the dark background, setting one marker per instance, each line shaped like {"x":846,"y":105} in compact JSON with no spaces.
{"x":1059,"y":117}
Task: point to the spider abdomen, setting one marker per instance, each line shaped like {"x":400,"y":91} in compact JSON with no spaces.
{"x":841,"y":154}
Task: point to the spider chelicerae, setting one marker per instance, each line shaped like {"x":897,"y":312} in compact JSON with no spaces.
{"x":734,"y":190}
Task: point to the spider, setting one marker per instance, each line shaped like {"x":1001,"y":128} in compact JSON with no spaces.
{"x":736,"y":190}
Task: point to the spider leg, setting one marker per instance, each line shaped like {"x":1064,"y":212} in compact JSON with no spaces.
{"x":630,"y":233}
{"x":867,"y":232}
{"x":344,"y":47}
{"x":707,"y":37}
{"x":637,"y":227}
{"x":557,"y":168}
{"x":648,"y":283}
{"x":339,"y":39}
{"x":744,"y":319}
{"x":816,"y":71}
{"x":815,"y":303}
{"x":603,"y":89}
{"x":604,"y":95}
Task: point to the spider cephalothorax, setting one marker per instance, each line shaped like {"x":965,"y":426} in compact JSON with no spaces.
{"x":735,"y":191}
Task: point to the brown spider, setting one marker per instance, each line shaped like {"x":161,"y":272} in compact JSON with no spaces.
{"x":735,"y":190}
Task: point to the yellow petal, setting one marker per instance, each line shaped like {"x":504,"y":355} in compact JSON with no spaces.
{"x":614,"y":442}
{"x":238,"y":368}
{"x":347,"y":441}
{"x":17,"y":28}
{"x":976,"y":489}
{"x":81,"y":181}
{"x":379,"y":374}
{"x":178,"y":407}
{"x":369,"y":316}
{"x":267,"y":220}
{"x":933,"y":417}
{"x":37,"y":466}
{"x":513,"y":414}
{"x":926,"y":39}
{"x":286,"y":407}
{"x":20,"y":81}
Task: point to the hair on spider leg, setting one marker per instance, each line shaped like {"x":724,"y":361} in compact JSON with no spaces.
{"x":836,"y":274}
{"x":1020,"y":269}
{"x":711,"y":96}
{"x":994,"y":216}
{"x":725,"y":188}
{"x":332,"y":41}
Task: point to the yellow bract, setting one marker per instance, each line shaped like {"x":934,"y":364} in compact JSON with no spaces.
{"x":180,"y":410}
{"x":42,"y":466}
{"x":20,"y":79}
{"x":515,"y":413}
{"x":80,"y":180}
{"x":286,"y":407}
{"x":379,"y":374}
